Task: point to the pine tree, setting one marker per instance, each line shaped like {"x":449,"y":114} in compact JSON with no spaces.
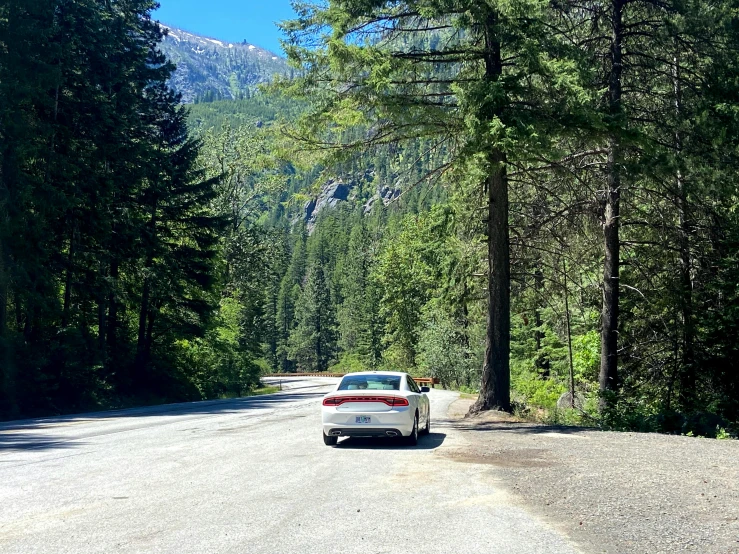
{"x":287,"y":297}
{"x":312,"y":343}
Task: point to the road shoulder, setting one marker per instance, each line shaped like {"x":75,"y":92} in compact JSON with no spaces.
{"x":611,"y":492}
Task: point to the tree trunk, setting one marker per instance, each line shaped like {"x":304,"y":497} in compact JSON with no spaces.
{"x":611,"y":273}
{"x":18,"y":301}
{"x":144,"y":311}
{"x":29,"y":326}
{"x":495,"y":386}
{"x":102,"y":316}
{"x":3,"y":293}
{"x":112,"y":313}
{"x":495,"y":393}
{"x":569,"y":334}
{"x":143,"y":315}
{"x":688,"y":369}
{"x":7,"y":367}
{"x":611,"y":223}
{"x":542,"y":359}
{"x":151,"y":318}
{"x":688,"y":373}
{"x":68,"y":277}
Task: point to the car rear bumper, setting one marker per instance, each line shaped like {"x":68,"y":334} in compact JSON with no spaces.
{"x":398,"y":420}
{"x":362,"y":432}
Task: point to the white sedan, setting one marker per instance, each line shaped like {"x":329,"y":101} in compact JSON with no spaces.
{"x":376,"y":404}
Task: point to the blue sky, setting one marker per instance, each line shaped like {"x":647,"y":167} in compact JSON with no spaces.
{"x":229,"y":20}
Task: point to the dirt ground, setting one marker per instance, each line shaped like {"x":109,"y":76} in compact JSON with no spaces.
{"x":611,"y":492}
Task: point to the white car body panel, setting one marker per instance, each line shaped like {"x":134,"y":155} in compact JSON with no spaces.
{"x":384,"y":420}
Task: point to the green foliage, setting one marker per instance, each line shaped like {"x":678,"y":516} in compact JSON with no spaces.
{"x":219,"y":367}
{"x":254,"y":112}
{"x":723,"y":434}
{"x":312,"y":343}
{"x":349,"y":363}
{"x":444,"y":351}
{"x":538,"y":392}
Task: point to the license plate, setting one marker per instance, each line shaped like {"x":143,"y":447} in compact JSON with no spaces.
{"x":363,"y":419}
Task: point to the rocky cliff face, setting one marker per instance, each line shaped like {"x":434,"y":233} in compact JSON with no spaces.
{"x":213,"y":69}
{"x":340,"y":190}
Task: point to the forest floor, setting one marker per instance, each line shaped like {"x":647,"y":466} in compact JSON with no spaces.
{"x":608,"y":491}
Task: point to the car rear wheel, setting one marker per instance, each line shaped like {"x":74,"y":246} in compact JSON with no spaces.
{"x":329,"y":440}
{"x":412,"y":440}
{"x":427,"y":428}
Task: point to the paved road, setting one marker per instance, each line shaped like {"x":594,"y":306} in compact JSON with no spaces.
{"x":249,"y":476}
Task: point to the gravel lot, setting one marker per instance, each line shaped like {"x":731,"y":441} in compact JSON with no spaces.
{"x":612,"y":492}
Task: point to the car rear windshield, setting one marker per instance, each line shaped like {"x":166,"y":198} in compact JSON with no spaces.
{"x":370,"y":382}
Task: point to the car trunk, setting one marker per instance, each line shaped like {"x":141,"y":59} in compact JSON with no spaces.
{"x":367,"y":401}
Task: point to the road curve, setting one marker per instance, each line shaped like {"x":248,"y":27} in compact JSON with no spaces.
{"x":249,"y":475}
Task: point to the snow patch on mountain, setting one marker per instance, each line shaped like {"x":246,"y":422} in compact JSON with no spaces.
{"x":209,"y":67}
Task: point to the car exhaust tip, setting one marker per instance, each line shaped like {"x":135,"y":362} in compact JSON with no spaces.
{"x":335,"y":433}
{"x":391,"y":433}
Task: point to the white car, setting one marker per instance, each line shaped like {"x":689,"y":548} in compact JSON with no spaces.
{"x":376,"y":404}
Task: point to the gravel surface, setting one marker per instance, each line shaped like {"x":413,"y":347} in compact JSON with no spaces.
{"x":612,"y":492}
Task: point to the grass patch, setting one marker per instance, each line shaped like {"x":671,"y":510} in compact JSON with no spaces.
{"x":264,"y":390}
{"x":253,"y":392}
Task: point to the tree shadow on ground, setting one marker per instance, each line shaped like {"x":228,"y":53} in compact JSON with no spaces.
{"x":28,"y":441}
{"x":36,"y":434}
{"x":425,"y":442}
{"x":516,"y":427}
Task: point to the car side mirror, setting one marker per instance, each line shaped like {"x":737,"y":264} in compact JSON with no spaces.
{"x":425,"y":389}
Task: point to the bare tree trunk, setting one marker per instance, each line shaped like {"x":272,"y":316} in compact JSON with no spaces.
{"x":4,"y":279}
{"x":68,"y":277}
{"x":18,"y":301}
{"x":569,"y":334}
{"x":151,"y":318}
{"x":29,"y":326}
{"x":495,"y":387}
{"x":611,"y":223}
{"x":542,"y":360}
{"x":688,"y":369}
{"x":112,"y":326}
{"x":143,"y":315}
{"x":145,"y":309}
{"x":102,"y":316}
{"x":4,"y":285}
{"x":319,"y":351}
{"x":7,"y":368}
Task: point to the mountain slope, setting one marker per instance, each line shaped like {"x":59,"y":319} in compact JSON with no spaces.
{"x":212,"y":69}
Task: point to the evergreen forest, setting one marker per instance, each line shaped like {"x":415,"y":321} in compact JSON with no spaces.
{"x":535,"y":202}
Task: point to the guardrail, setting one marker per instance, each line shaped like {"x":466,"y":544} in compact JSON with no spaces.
{"x":427,"y":381}
{"x":304,"y":375}
{"x":420,"y":380}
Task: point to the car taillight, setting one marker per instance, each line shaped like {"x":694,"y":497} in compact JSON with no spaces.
{"x":389,"y":400}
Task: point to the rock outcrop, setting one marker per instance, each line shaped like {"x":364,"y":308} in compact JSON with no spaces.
{"x":339,"y":190}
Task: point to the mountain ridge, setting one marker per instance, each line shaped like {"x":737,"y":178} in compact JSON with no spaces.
{"x":212,"y":69}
